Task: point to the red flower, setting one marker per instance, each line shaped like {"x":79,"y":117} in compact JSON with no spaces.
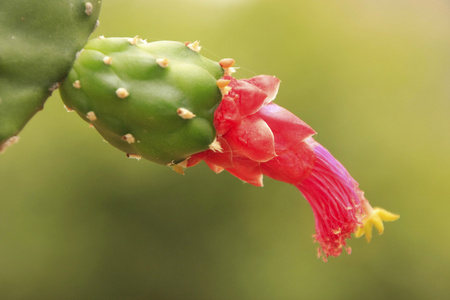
{"x":256,"y":137}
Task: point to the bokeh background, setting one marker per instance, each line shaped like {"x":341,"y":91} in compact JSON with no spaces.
{"x":80,"y":221}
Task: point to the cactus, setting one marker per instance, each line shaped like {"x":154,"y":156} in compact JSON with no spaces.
{"x":39,"y":40}
{"x":166,"y":103}
{"x":152,"y":100}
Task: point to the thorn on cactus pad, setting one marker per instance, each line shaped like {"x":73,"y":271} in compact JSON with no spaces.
{"x":229,"y":71}
{"x":162,"y":62}
{"x":183,"y":163}
{"x":135,"y":40}
{"x":89,"y":8}
{"x":107,"y":60}
{"x":122,"y":93}
{"x":91,"y":116}
{"x":97,"y":23}
{"x":185,"y":113}
{"x":68,"y":109}
{"x":76,"y":84}
{"x":8,"y":143}
{"x":223,"y":86}
{"x":129,"y":138}
{"x":215,"y":146}
{"x":227,"y":63}
{"x":176,"y":167}
{"x":91,"y":125}
{"x":195,"y":46}
{"x":101,"y":37}
{"x":54,"y":87}
{"x":134,"y":156}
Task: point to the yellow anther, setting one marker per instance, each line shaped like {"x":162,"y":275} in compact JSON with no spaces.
{"x":375,"y":217}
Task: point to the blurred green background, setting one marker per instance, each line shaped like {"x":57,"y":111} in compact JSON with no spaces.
{"x":80,"y":221}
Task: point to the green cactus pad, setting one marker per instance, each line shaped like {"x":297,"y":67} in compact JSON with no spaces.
{"x":39,"y":40}
{"x":151,"y":100}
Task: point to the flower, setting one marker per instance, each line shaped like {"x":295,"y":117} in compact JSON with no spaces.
{"x":256,"y":137}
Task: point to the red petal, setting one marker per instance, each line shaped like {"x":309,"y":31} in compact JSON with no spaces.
{"x":247,"y":170}
{"x":226,"y":115}
{"x":250,"y":97}
{"x":222,"y":159}
{"x":253,"y":139}
{"x":292,"y":166}
{"x":287,"y":128}
{"x":196,"y":158}
{"x":268,"y":84}
{"x":214,"y":168}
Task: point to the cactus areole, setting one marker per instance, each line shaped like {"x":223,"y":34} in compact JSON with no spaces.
{"x":151,"y":100}
{"x":165,"y":102}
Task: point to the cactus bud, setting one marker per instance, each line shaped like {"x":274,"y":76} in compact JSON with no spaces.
{"x":170,"y":93}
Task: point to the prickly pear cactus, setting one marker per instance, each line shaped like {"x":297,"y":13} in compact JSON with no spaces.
{"x":39,"y":40}
{"x":152,"y":100}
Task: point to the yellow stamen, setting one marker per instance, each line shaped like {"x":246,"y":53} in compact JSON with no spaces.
{"x":375,"y":217}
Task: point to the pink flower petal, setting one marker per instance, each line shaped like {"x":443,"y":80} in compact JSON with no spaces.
{"x":253,"y":139}
{"x":222,"y":159}
{"x":247,"y":170}
{"x":196,"y":158}
{"x":249,"y":98}
{"x":287,"y":128}
{"x":268,"y":84}
{"x":216,"y":169}
{"x":292,"y":166}
{"x":226,"y":115}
